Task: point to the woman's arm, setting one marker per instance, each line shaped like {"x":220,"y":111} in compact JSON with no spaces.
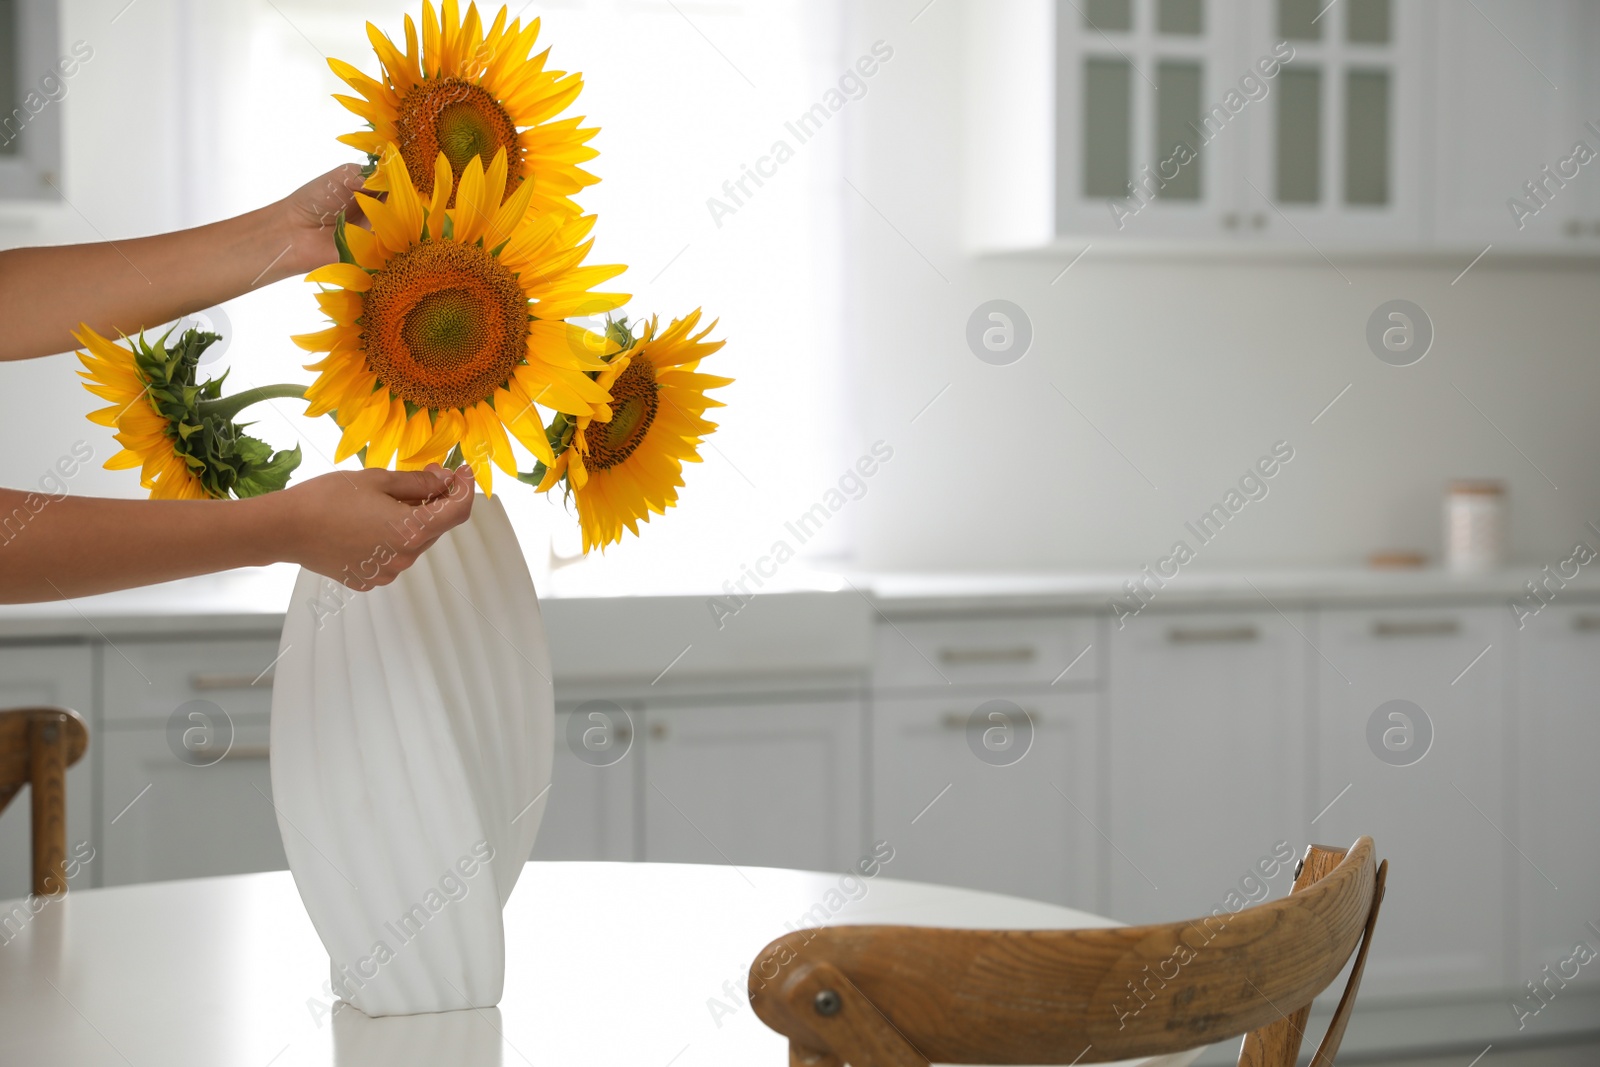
{"x":358,"y":527}
{"x":125,"y":286}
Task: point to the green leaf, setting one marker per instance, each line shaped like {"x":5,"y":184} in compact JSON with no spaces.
{"x":345,"y":255}
{"x":270,"y":475}
{"x":535,"y":476}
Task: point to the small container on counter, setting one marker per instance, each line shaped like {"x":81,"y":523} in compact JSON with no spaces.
{"x":1475,"y":521}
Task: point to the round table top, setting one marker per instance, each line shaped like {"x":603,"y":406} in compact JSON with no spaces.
{"x":617,"y":964}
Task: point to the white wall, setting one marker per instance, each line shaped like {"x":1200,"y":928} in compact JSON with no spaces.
{"x":1191,"y":370}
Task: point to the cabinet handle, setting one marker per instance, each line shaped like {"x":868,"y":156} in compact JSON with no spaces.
{"x":960,"y":657}
{"x":955,"y":720}
{"x":1586,"y":622}
{"x":658,"y":731}
{"x":239,"y":752}
{"x":1421,"y":628}
{"x":204,"y":682}
{"x":1230,"y":221}
{"x":1574,"y":228}
{"x":1259,"y":220}
{"x":1211,"y":634}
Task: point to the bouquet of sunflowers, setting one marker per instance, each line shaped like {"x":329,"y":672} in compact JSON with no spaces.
{"x":454,"y":327}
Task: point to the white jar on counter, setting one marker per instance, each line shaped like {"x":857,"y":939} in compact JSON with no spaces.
{"x":1475,"y":520}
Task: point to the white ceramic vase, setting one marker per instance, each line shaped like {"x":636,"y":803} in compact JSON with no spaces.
{"x":412,"y":732}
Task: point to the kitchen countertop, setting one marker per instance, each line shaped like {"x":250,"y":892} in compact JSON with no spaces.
{"x":252,"y":601}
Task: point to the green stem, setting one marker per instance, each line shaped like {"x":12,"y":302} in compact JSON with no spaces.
{"x":226,"y":407}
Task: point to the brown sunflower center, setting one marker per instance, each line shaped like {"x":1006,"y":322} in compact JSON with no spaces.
{"x":444,"y":325}
{"x":634,"y":398}
{"x":460,"y":119}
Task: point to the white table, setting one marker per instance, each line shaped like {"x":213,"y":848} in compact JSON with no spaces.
{"x":613,"y":964}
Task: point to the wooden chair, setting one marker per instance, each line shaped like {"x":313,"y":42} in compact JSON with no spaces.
{"x":37,"y":745}
{"x":902,"y":996}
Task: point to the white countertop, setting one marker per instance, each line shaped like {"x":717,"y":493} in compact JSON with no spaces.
{"x":253,"y":600}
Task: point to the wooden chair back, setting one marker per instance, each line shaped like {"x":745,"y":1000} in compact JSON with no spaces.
{"x":905,"y":996}
{"x":37,"y":745}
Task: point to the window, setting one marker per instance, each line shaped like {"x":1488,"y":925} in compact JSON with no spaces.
{"x":32,"y":83}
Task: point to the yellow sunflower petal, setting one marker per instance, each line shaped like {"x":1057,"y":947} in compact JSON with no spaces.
{"x":358,"y":434}
{"x":344,"y":275}
{"x":468,"y":215}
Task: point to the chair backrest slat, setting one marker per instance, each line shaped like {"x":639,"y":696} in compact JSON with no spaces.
{"x":37,"y":745}
{"x":1067,"y":996}
{"x":1277,"y":1044}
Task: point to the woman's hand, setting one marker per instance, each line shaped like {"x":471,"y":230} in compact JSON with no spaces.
{"x":362,"y":528}
{"x":308,"y":215}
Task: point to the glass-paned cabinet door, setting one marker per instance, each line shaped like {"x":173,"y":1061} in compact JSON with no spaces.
{"x":1337,"y":148}
{"x":1140,"y":150}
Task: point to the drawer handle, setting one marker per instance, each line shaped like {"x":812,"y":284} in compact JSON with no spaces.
{"x":236,"y":752}
{"x":966,"y":657}
{"x":1586,"y":622}
{"x":1423,"y":628}
{"x":954,"y":720}
{"x":1211,"y":635}
{"x":211,"y":682}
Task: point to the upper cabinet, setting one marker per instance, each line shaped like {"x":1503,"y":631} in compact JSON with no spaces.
{"x":1282,"y":124}
{"x":1517,"y":142}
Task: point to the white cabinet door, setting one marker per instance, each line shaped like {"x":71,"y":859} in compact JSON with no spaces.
{"x":1502,"y":118}
{"x":774,"y":785}
{"x":186,"y":789}
{"x":589,"y":814}
{"x":1209,"y":759}
{"x":1338,"y":149}
{"x":1558,"y":793}
{"x":1424,"y":778}
{"x":971,"y":793}
{"x":166,"y":817}
{"x":1140,"y":152}
{"x":33,"y":676}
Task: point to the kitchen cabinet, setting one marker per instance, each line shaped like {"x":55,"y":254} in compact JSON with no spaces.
{"x":590,"y":812}
{"x":186,"y":787}
{"x":1134,"y":83}
{"x":753,"y":784}
{"x":1163,"y":124}
{"x":1426,"y":779}
{"x":43,"y":675}
{"x":1557,"y":794}
{"x":165,"y":817}
{"x":986,"y":654}
{"x":991,"y":792}
{"x":1209,"y":752}
{"x":1336,"y":154}
{"x":1524,"y":118}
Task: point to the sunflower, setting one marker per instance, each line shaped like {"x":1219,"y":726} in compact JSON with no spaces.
{"x":627,"y":463}
{"x":470,"y":93}
{"x":448,"y":322}
{"x":180,"y":433}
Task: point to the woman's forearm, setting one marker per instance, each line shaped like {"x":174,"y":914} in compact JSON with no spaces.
{"x":122,"y":287}
{"x":52,"y":549}
{"x":357,"y":527}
